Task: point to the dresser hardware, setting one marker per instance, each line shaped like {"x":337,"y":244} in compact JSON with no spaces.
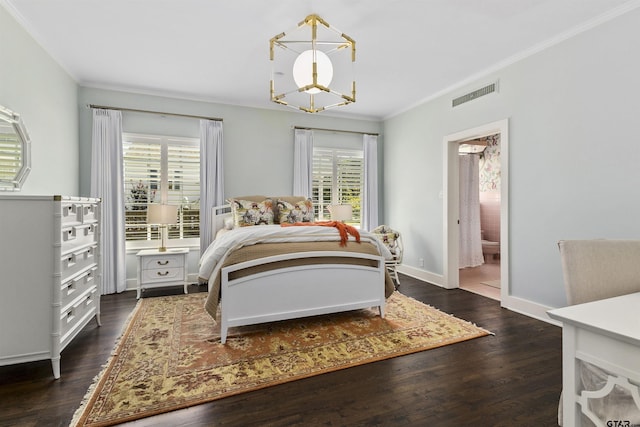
{"x":163,"y":274}
{"x":163,"y":262}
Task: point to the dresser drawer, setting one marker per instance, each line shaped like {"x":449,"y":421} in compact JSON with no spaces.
{"x":78,"y":212}
{"x":89,"y":212}
{"x":175,"y":274}
{"x":76,"y":236}
{"x":71,"y":213}
{"x":78,"y":260}
{"x":73,"y":316}
{"x":163,"y":261}
{"x":77,"y":285}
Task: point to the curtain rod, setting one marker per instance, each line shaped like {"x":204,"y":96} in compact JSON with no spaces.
{"x":154,"y":112}
{"x":335,"y":130}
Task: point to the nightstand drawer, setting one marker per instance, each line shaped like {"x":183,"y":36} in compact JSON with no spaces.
{"x":163,"y":275}
{"x":163,"y":262}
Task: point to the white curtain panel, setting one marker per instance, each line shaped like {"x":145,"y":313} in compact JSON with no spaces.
{"x":470,"y":246}
{"x":107,"y":184}
{"x":303,"y":163}
{"x":211,"y":176}
{"x":369,"y":204}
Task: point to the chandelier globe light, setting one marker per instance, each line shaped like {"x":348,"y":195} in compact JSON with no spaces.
{"x":312,"y":67}
{"x":303,"y":70}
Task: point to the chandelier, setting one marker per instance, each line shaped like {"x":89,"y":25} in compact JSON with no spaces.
{"x":319,"y":64}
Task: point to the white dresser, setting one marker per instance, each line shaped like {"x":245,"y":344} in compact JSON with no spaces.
{"x":50,"y":273}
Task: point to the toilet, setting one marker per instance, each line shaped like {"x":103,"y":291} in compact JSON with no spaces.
{"x":490,"y":250}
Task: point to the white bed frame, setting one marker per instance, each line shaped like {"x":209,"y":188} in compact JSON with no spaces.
{"x":294,"y":292}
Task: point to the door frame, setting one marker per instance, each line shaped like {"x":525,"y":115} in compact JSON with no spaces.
{"x":451,"y":201}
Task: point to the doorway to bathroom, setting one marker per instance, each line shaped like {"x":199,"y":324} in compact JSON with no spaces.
{"x":476,"y":243}
{"x":479,"y":216}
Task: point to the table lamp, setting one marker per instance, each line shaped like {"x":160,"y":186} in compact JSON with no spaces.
{"x":162,"y":215}
{"x":341,"y":212}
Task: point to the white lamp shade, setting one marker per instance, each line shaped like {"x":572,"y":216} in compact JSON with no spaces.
{"x":162,"y":214}
{"x":341,"y":212}
{"x":303,"y":70}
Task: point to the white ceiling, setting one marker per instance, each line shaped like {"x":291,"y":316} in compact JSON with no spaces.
{"x":407,"y":50}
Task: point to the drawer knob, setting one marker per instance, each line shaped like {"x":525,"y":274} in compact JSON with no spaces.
{"x":163,"y":274}
{"x":163,"y":262}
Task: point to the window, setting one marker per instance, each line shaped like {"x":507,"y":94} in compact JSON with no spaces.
{"x":337,"y":179}
{"x":161,"y":169}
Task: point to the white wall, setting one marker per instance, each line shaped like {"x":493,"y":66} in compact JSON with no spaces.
{"x":258,"y":143}
{"x":33,"y":85}
{"x":573,"y":155}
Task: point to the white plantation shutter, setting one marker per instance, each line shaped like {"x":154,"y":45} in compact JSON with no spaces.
{"x":159,"y":169}
{"x":322,"y":187}
{"x":142,"y":167}
{"x":184,"y":187}
{"x":337,"y":179}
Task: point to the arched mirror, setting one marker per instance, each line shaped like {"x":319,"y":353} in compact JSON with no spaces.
{"x":15,"y":151}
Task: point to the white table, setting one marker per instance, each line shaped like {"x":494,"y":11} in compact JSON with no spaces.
{"x":160,"y":269}
{"x":605,"y":333}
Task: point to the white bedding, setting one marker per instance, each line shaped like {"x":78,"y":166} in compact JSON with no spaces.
{"x":246,"y":236}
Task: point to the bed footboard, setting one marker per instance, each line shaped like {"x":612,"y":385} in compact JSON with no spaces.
{"x":293,"y":292}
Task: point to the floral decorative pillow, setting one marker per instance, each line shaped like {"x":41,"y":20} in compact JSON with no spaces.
{"x":300,"y":211}
{"x":247,"y":212}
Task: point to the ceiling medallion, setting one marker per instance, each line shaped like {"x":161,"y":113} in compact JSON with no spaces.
{"x":321,"y":67}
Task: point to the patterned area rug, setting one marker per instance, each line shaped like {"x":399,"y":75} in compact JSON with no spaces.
{"x":170,"y":357}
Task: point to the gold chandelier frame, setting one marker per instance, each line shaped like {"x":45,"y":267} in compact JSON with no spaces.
{"x":324,"y":97}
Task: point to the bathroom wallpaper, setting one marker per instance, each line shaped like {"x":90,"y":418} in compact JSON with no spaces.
{"x":490,"y":164}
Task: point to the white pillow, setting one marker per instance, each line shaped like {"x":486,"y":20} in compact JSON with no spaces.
{"x":228,"y":223}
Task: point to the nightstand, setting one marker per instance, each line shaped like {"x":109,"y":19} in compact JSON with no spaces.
{"x":161,"y":269}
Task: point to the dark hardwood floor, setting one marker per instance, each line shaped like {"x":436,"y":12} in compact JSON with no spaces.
{"x":510,"y":379}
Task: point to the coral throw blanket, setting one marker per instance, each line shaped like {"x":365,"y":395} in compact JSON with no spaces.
{"x":343,"y":229}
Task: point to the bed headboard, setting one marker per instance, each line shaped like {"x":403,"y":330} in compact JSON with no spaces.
{"x":218,"y":215}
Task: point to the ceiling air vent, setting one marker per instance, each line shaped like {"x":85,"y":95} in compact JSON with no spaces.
{"x":475,"y":94}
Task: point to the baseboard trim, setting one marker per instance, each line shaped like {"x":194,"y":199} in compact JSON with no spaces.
{"x":424,"y":275}
{"x":516,"y":304}
{"x":528,"y":308}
